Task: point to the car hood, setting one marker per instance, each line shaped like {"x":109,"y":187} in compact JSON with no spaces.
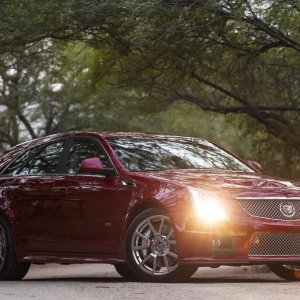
{"x":237,"y":183}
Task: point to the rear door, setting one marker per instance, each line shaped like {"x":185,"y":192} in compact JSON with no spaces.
{"x":30,"y":188}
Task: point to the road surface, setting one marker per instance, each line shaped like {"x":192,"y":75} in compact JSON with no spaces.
{"x":102,"y":282}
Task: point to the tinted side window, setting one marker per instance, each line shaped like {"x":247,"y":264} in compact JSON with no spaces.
{"x":14,"y":167}
{"x":46,"y":161}
{"x":83,"y":149}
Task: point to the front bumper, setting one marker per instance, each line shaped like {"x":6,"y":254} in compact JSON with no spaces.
{"x":240,"y":241}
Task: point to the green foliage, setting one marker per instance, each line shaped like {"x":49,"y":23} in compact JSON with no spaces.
{"x":224,"y":70}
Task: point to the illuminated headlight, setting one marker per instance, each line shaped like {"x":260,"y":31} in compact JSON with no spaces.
{"x":207,"y":207}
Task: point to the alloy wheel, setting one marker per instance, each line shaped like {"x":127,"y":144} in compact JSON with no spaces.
{"x":153,"y":246}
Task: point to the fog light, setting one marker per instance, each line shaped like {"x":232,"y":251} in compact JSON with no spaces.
{"x":216,"y":243}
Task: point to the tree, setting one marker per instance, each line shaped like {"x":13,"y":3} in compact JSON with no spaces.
{"x":38,"y":93}
{"x":226,"y":57}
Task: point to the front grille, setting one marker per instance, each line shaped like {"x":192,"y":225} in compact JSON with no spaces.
{"x":270,"y":208}
{"x":278,"y":244}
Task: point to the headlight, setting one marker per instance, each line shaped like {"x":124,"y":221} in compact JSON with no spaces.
{"x":207,"y":207}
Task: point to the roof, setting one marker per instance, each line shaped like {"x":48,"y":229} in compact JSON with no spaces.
{"x":103,"y":134}
{"x":143,"y":135}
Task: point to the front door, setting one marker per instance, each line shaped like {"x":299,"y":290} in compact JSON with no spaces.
{"x":89,"y":210}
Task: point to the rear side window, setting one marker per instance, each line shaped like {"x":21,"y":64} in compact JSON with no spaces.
{"x":83,"y":149}
{"x":46,"y":161}
{"x":14,"y":167}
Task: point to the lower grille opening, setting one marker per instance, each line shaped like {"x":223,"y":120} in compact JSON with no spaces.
{"x":277,"y":244}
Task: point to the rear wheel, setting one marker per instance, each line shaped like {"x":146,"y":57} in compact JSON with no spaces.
{"x":287,"y":272}
{"x":151,"y":248}
{"x":10,"y":267}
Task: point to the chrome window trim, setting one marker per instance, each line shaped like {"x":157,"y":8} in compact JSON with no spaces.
{"x":57,"y":175}
{"x":82,"y":175}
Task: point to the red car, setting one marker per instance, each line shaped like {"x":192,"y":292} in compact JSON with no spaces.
{"x":155,"y":206}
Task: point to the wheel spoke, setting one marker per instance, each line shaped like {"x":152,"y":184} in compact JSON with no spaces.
{"x":146,"y":259}
{"x":154,"y":263}
{"x":141,"y":247}
{"x":142,"y":236}
{"x":172,"y":242}
{"x":161,"y":226}
{"x":172,"y":254}
{"x":171,"y":231}
{"x":152,"y":228}
{"x":166,"y":263}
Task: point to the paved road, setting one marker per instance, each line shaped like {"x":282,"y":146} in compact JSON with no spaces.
{"x":102,"y":282}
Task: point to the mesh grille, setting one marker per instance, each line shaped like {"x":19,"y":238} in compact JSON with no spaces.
{"x":270,"y":208}
{"x":278,"y":244}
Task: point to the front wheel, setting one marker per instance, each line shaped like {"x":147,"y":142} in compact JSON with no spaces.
{"x":151,"y":248}
{"x":287,"y":272}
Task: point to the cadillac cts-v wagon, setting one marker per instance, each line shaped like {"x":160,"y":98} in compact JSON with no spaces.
{"x":155,"y":206}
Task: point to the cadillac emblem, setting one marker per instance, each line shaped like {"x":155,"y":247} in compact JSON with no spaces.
{"x":287,"y":209}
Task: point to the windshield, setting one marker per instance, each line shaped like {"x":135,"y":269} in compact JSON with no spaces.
{"x":140,"y":154}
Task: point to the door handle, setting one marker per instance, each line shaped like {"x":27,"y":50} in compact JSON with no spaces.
{"x":60,"y":191}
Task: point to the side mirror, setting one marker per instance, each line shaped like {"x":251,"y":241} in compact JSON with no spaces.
{"x":94,"y":166}
{"x":91,"y":165}
{"x":254,"y":165}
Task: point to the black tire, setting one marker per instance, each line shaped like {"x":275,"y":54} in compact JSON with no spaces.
{"x":287,"y":272}
{"x":10,"y":267}
{"x":157,"y":260}
{"x":126,"y":272}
